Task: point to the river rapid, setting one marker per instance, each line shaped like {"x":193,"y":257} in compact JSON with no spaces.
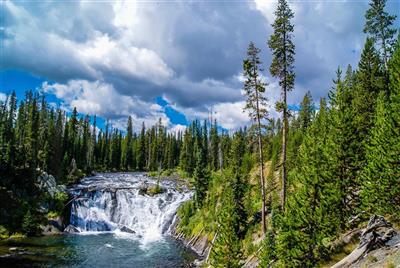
{"x":121,"y":223}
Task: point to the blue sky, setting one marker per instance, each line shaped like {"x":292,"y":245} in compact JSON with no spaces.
{"x":173,"y":60}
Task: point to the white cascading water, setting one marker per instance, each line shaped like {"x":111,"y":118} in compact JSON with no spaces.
{"x":114,"y":203}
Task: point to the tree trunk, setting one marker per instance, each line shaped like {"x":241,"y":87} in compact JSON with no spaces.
{"x":387,"y":81}
{"x":284,"y":131}
{"x":384,"y":51}
{"x":284,"y":141}
{"x":261,"y":159}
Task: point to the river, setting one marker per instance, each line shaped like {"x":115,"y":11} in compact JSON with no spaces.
{"x":119,"y":226}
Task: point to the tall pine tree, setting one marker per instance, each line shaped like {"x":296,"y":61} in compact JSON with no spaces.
{"x":256,"y":103}
{"x":283,"y":51}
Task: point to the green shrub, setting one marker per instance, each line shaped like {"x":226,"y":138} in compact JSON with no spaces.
{"x":52,"y":215}
{"x":29,"y":224}
{"x":152,"y":174}
{"x":167,"y":172}
{"x":17,"y":235}
{"x":153,"y":190}
{"x":60,"y":199}
{"x":3,"y":232}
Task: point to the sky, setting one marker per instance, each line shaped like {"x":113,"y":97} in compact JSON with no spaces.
{"x":174,"y":60}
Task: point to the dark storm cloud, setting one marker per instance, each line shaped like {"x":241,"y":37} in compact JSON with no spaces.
{"x":190,"y":53}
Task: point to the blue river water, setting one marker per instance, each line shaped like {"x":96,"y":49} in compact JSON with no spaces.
{"x":93,"y":250}
{"x":118,"y":224}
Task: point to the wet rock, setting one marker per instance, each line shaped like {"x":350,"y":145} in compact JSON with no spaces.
{"x":56,"y":222}
{"x":143,"y":188}
{"x":378,"y":234}
{"x":198,"y":263}
{"x":127,"y":230}
{"x":53,"y":227}
{"x":50,"y":230}
{"x":71,"y":229}
{"x":47,"y":183}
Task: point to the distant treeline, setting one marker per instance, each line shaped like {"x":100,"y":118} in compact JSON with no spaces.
{"x":36,"y":136}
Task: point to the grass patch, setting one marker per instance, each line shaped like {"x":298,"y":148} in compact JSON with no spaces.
{"x":341,"y":254}
{"x":17,"y":236}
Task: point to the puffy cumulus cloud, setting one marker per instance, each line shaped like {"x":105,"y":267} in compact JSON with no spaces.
{"x":53,"y":55}
{"x":185,"y":51}
{"x":231,"y":115}
{"x":103,"y":100}
{"x":130,"y":52}
{"x":109,"y":56}
{"x":177,"y":128}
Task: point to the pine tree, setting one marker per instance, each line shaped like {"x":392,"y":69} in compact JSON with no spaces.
{"x":214,"y":146}
{"x":256,"y":103}
{"x":369,"y":83}
{"x":9,"y":136}
{"x":381,"y":190}
{"x":186,"y":158}
{"x":43,"y":140}
{"x":141,"y":155}
{"x":29,"y":225}
{"x":345,"y":144}
{"x":128,"y":150}
{"x":312,"y":210}
{"x":306,"y":111}
{"x":283,"y":51}
{"x":31,"y":141}
{"x":379,"y":26}
{"x":200,"y":175}
{"x":226,"y":251}
{"x":239,"y":183}
{"x":73,"y":125}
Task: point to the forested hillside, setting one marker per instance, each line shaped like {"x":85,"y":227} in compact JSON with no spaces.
{"x":326,"y":169}
{"x":282,"y":189}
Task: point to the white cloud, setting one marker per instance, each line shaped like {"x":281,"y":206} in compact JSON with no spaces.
{"x":3,"y":96}
{"x":231,"y":115}
{"x":102,"y":99}
{"x":113,"y":58}
{"x":176,"y":128}
{"x":100,"y":55}
{"x":267,"y":8}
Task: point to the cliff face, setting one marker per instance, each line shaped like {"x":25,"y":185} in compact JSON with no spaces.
{"x":198,"y":243}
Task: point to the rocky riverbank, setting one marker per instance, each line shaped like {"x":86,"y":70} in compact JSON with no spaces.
{"x":379,"y":246}
{"x":200,"y":244}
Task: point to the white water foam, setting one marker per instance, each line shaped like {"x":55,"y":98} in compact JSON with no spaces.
{"x":113,"y":203}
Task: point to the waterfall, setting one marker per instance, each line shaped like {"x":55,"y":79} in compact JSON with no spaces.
{"x":118,"y":202}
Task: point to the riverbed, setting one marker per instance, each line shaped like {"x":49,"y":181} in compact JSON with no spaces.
{"x":119,"y":224}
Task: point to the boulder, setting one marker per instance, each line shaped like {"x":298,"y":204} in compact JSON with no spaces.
{"x":47,"y":183}
{"x":50,"y":230}
{"x":143,"y":188}
{"x":379,"y":233}
{"x":71,"y":229}
{"x":127,"y":230}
